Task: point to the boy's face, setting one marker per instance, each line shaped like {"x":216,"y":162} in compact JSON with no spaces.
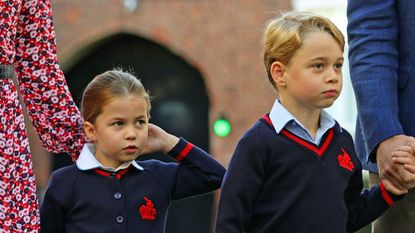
{"x":120,"y":131}
{"x":313,"y":79}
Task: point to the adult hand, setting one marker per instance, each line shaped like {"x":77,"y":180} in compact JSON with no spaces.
{"x":387,"y":172}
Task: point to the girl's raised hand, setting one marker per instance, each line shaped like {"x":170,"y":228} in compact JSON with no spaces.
{"x":159,"y":140}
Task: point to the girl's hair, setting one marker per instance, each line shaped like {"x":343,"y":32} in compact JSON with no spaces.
{"x":284,"y":35}
{"x":106,"y":86}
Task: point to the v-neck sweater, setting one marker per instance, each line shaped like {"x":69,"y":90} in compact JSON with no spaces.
{"x":281,"y":183}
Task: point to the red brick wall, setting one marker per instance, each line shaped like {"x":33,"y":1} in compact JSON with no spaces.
{"x":219,"y":37}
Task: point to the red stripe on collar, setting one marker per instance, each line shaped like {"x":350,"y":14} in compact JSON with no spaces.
{"x":117,"y":175}
{"x":267,"y":119}
{"x":319,"y":151}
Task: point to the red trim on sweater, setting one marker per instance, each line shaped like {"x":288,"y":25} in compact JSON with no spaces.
{"x":117,"y":175}
{"x":385,"y":194}
{"x":267,"y":119}
{"x":184,"y":152}
{"x":319,"y":151}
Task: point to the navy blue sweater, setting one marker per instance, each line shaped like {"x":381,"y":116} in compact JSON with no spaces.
{"x":130,"y":200}
{"x":280,"y":183}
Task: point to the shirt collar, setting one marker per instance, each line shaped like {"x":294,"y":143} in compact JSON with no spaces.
{"x":87,"y":160}
{"x":280,"y":117}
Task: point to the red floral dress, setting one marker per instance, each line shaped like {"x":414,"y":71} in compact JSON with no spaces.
{"x":27,"y":42}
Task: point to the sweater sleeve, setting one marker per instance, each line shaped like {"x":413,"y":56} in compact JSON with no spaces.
{"x":367,"y":205}
{"x":197,"y":172}
{"x":57,"y":200}
{"x":242,"y":182}
{"x":42,"y":84}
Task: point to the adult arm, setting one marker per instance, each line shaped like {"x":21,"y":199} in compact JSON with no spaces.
{"x":42,"y":84}
{"x":373,"y":54}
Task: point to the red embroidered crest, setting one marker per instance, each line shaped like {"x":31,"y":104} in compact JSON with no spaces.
{"x":345,"y":161}
{"x":147,"y":211}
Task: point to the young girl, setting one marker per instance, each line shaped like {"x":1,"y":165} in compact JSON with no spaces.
{"x":107,"y":190}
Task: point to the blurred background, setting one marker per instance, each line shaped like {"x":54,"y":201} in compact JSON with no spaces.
{"x":200,"y":60}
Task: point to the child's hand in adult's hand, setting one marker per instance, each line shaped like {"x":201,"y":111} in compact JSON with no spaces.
{"x":159,"y":140}
{"x":404,"y":162}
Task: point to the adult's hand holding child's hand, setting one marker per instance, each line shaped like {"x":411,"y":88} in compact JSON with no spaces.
{"x":388,"y":170}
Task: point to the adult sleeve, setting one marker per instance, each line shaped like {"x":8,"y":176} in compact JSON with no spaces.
{"x":242,"y":182}
{"x":42,"y":84}
{"x":373,"y":56}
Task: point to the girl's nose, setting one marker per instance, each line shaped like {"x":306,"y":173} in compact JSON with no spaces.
{"x":130,"y":133}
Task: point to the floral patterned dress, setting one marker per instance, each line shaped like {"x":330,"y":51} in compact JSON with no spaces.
{"x":27,"y":45}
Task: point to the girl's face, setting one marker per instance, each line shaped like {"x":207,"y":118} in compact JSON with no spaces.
{"x":313,"y":79}
{"x":120,"y":131}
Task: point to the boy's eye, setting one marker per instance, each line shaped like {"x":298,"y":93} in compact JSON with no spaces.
{"x":338,"y":66}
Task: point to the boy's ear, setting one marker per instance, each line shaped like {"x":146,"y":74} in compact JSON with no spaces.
{"x":90,"y":131}
{"x":278,"y":73}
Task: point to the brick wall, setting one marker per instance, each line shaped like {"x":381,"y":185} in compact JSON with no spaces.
{"x":220,"y":38}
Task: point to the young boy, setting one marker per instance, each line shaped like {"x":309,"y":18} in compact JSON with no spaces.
{"x":295,"y":170}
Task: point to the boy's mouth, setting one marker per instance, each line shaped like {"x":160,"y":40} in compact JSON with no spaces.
{"x":330,"y":93}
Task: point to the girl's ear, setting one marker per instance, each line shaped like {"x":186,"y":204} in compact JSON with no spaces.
{"x":278,"y":73}
{"x":90,"y":131}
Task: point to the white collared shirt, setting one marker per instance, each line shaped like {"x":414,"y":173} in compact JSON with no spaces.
{"x":281,"y":118}
{"x":87,"y":161}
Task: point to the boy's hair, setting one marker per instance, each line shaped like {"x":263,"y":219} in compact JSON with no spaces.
{"x":284,"y":35}
{"x":106,"y":86}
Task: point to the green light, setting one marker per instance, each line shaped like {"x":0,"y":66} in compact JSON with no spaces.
{"x":222,"y":127}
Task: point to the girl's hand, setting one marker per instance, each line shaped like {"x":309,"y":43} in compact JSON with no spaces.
{"x":159,"y":140}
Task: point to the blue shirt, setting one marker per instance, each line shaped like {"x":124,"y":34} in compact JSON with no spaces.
{"x":281,"y":118}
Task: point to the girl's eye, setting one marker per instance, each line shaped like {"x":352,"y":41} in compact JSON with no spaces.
{"x":141,"y":122}
{"x":117,"y":123}
{"x":318,"y":66}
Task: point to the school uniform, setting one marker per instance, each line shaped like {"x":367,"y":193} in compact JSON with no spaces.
{"x":87,"y":198}
{"x":280,"y":182}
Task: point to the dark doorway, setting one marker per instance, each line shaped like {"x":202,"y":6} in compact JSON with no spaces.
{"x":180,"y":106}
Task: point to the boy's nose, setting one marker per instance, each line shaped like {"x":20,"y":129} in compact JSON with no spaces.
{"x":333,"y":76}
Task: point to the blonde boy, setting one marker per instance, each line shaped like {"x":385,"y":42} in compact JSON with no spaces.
{"x":295,"y":170}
